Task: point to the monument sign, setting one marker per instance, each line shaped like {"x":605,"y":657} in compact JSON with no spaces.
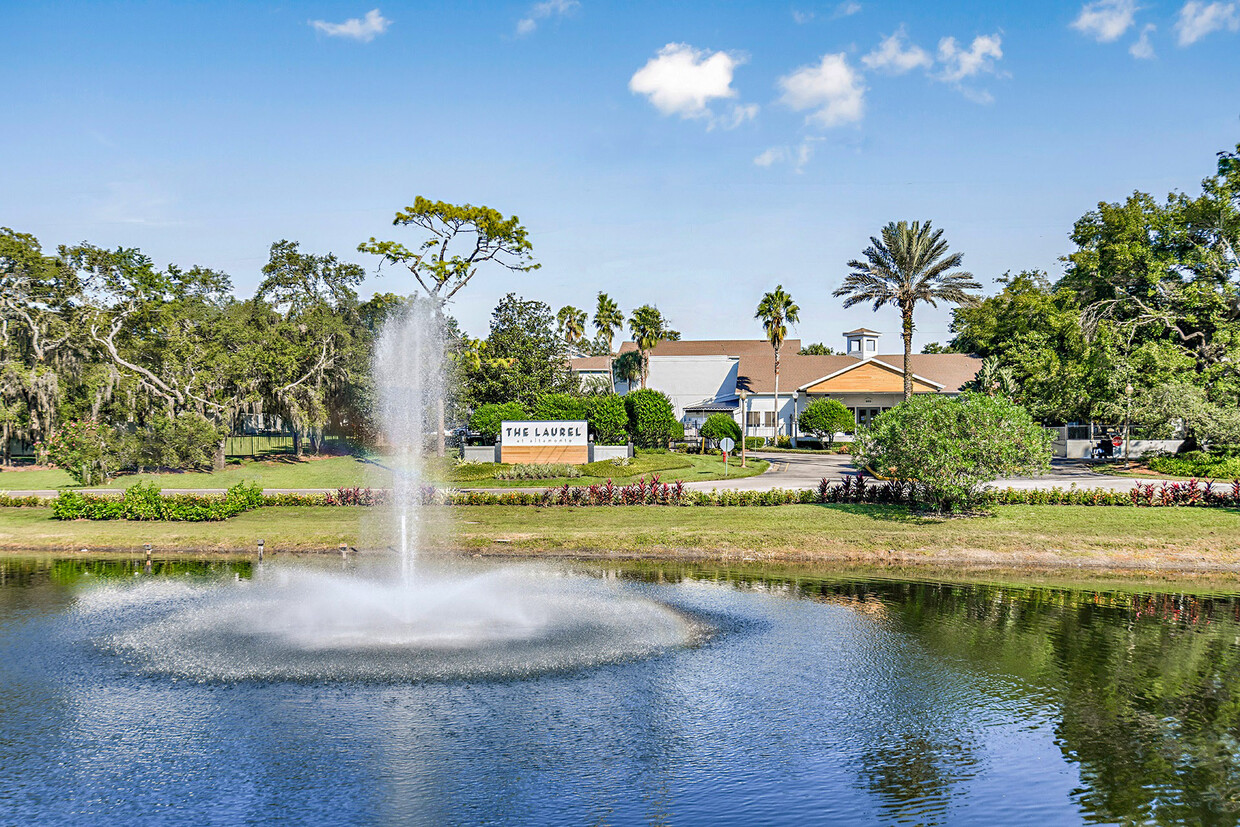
{"x":544,"y":443}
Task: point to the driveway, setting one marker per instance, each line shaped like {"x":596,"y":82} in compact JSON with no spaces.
{"x":806,"y":470}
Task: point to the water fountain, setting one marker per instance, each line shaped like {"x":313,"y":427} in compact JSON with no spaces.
{"x":293,"y":622}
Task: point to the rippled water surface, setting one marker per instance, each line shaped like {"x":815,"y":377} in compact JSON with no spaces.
{"x":650,"y":695}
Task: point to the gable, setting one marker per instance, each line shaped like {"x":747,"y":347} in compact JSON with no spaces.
{"x":868,"y":377}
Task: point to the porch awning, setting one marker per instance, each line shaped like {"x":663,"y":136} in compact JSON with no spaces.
{"x":712,"y":407}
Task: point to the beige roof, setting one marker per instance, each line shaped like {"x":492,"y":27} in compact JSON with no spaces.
{"x":715,"y":347}
{"x":862,"y":330}
{"x":756,"y":372}
{"x":580,"y":363}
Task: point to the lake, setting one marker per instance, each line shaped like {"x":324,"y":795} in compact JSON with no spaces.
{"x":801,"y":696}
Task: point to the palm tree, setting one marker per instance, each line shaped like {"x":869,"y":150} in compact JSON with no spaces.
{"x":649,"y":328}
{"x":572,"y":324}
{"x":775,"y":310}
{"x":626,"y":367}
{"x":908,"y":265}
{"x":607,"y":320}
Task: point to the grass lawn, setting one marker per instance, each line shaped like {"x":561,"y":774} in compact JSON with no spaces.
{"x":348,"y":471}
{"x":670,"y":467}
{"x":277,"y":472}
{"x":1064,"y":537}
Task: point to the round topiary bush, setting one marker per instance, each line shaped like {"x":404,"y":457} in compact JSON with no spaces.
{"x":719,"y":425}
{"x":824,"y":418}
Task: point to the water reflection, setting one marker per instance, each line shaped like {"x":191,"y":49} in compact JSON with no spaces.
{"x":821,"y":698}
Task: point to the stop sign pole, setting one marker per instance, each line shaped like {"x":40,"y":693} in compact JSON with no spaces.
{"x":726,"y":444}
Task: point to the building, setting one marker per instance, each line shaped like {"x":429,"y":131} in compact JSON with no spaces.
{"x":709,"y":376}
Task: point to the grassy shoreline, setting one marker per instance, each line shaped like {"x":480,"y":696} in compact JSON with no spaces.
{"x":331,"y":472}
{"x":1034,"y":538}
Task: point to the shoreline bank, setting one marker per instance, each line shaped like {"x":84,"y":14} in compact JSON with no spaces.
{"x":1126,"y":541}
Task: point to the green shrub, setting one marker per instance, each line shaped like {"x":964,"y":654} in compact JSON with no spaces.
{"x":531,"y":471}
{"x":489,"y":418}
{"x":753,"y":443}
{"x":1196,"y":464}
{"x":608,"y":419}
{"x":561,"y":406}
{"x":824,"y":418}
{"x":89,"y":451}
{"x":783,"y":442}
{"x":187,"y":441}
{"x":720,"y":425}
{"x":145,"y":502}
{"x":652,"y":419}
{"x":950,"y":448}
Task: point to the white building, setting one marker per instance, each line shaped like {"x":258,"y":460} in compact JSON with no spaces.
{"x":708,"y":376}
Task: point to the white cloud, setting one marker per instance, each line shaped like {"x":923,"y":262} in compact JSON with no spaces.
{"x":798,"y":156}
{"x":682,"y":80}
{"x":1105,"y":20}
{"x":846,"y":9}
{"x":541,"y":11}
{"x":741,"y":112}
{"x":961,"y":64}
{"x":832,"y":88}
{"x":364,"y":29}
{"x":896,"y":56}
{"x":1199,"y":19}
{"x":1143,"y":49}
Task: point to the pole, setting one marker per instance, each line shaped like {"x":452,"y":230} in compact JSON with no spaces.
{"x":744,"y":427}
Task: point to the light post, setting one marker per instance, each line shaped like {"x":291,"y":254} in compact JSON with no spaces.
{"x":744,"y":426}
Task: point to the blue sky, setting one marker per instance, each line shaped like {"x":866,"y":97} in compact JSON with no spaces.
{"x":692,"y":155}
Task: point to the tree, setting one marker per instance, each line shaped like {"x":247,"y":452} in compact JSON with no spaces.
{"x":719,"y":425}
{"x":652,"y":419}
{"x":993,"y":378}
{"x":572,"y":324}
{"x":627,"y":367}
{"x":907,"y":265}
{"x":1034,"y":331}
{"x":950,"y":448}
{"x":649,"y":327}
{"x":816,"y":349}
{"x":824,"y":418}
{"x":775,"y":311}
{"x":308,"y":354}
{"x":935,"y":347}
{"x":526,"y":358}
{"x":494,"y":238}
{"x":607,"y":320}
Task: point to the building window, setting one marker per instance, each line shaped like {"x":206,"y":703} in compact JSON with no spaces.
{"x":869,"y":344}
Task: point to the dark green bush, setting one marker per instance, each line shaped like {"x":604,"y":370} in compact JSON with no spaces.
{"x":559,"y":406}
{"x":652,"y":419}
{"x":489,"y":418}
{"x":608,"y":419}
{"x":719,"y":425}
{"x":1196,"y":464}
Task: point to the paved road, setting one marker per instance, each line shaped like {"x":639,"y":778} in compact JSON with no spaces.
{"x":806,"y":470}
{"x":786,"y":471}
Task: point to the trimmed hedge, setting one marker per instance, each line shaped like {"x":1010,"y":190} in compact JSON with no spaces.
{"x":146,"y":502}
